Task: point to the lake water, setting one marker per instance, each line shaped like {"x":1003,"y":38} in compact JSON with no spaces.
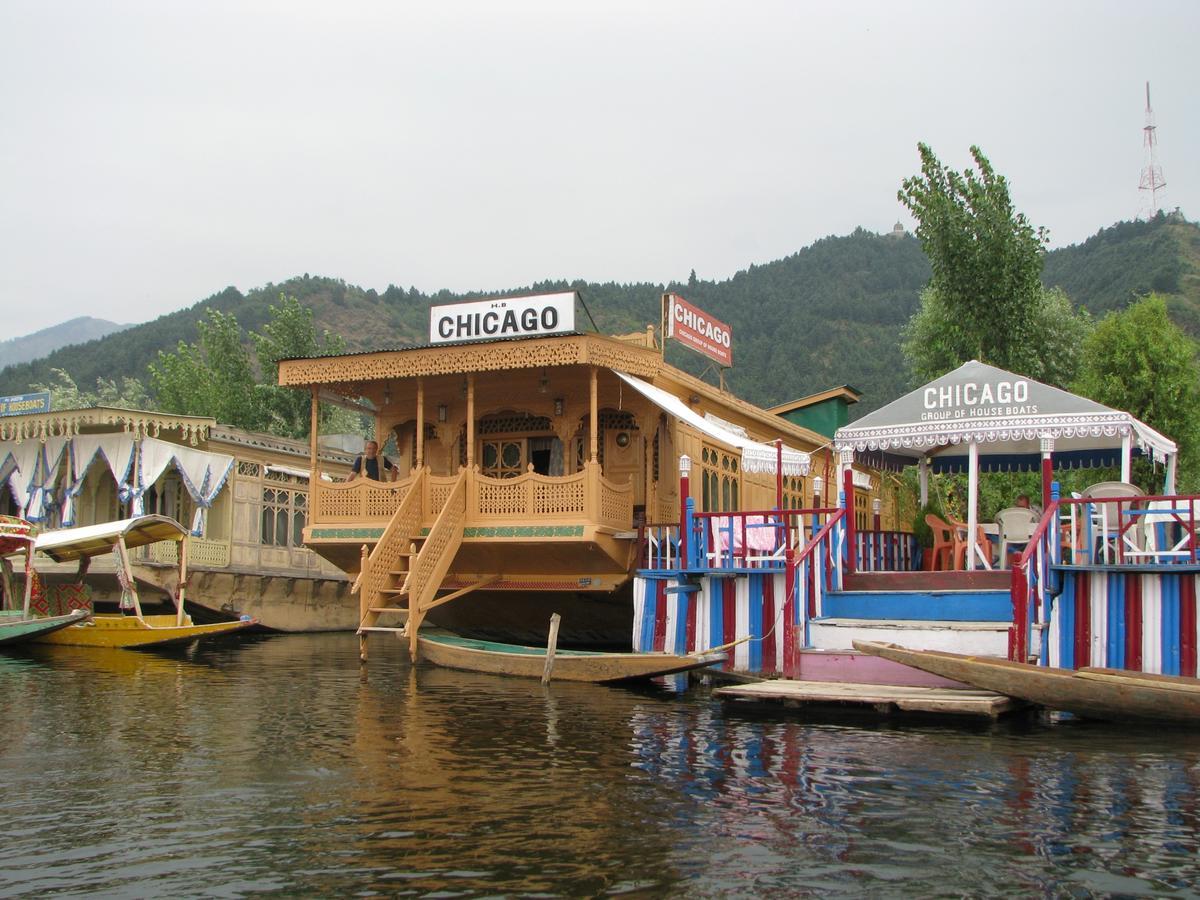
{"x":275,"y":765}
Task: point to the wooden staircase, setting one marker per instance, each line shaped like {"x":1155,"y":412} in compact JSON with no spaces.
{"x":400,"y":577}
{"x":383,"y":573}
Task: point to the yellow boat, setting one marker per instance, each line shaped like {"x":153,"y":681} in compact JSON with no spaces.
{"x":134,"y":630}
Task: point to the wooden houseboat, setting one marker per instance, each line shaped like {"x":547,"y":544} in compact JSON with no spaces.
{"x":242,"y":494}
{"x":529,"y":468}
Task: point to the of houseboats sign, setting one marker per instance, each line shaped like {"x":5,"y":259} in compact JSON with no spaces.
{"x":507,"y":317}
{"x":695,"y":328}
{"x":977,"y":400}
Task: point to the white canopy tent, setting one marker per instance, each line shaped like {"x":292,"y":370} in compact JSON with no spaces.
{"x":1014,"y":422}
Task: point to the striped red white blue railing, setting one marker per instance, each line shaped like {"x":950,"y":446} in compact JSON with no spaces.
{"x":684,"y":610}
{"x":1031,"y":586}
{"x":660,"y":547}
{"x":1111,"y":582}
{"x":885,"y":551}
{"x":1155,"y":530}
{"x":817,"y":569}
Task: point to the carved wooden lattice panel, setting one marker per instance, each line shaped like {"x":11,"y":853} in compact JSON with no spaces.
{"x":381,"y":502}
{"x":439,"y":490}
{"x":440,"y":546}
{"x":616,"y":504}
{"x":531,"y":354}
{"x":394,"y":541}
{"x":514,"y":423}
{"x":560,"y":498}
{"x":502,"y":497}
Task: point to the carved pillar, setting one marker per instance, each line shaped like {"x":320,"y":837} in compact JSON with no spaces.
{"x":314,"y":456}
{"x":471,"y":421}
{"x":420,"y":437}
{"x":594,"y":421}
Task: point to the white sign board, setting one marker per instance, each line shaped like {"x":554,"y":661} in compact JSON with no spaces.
{"x":487,"y":320}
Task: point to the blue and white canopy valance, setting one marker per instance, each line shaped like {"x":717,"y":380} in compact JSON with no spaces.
{"x":32,"y":470}
{"x":1007,"y":416}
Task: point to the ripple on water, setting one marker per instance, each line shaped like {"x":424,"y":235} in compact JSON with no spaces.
{"x":277,"y":766}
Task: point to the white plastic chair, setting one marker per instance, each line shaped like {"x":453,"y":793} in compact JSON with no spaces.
{"x":1017,"y":524}
{"x":1166,"y":527}
{"x":1105,"y":521}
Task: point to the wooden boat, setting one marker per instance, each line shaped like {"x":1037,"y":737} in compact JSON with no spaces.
{"x":17,"y":628}
{"x":20,"y":625}
{"x":135,"y":630}
{"x":456,"y":652}
{"x":1111,"y":694}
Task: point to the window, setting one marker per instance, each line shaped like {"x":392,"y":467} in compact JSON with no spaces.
{"x":793,"y":492}
{"x":720,"y":481}
{"x":503,"y":459}
{"x":283,"y":517}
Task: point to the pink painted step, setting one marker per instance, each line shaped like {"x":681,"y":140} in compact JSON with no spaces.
{"x":850,"y":666}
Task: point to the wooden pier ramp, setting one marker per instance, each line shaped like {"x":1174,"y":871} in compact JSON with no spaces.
{"x":879,"y":698}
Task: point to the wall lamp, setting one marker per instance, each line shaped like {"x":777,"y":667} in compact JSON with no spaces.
{"x":442,"y":412}
{"x":558,"y":406}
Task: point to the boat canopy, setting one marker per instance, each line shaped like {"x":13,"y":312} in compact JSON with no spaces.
{"x":1008,"y":416}
{"x":756,"y":456}
{"x":68,"y":544}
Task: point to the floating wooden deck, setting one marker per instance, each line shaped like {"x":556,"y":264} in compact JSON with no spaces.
{"x":879,"y":698}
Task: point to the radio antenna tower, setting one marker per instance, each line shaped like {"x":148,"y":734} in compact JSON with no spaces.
{"x":1152,"y":176}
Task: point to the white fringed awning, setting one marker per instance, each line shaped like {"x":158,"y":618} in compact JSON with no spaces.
{"x":1004,"y":413}
{"x":756,"y":456}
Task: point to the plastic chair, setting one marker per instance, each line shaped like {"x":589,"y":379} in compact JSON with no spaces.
{"x":1017,"y":524}
{"x":1104,"y":525}
{"x":943,"y":542}
{"x":983,"y":546}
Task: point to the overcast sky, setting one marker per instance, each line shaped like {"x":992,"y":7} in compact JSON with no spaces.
{"x":153,"y":153}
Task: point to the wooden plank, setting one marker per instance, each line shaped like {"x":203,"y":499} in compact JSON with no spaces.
{"x":460,"y":592}
{"x":954,"y":701}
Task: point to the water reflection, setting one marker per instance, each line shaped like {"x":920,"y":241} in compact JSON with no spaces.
{"x":277,"y":766}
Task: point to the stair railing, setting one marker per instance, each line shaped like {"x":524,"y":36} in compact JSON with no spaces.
{"x":809,"y":574}
{"x":434,"y":559}
{"x":392,"y":544}
{"x":1032,"y":587}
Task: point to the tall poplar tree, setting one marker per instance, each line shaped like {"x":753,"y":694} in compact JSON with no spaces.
{"x":985,"y":299}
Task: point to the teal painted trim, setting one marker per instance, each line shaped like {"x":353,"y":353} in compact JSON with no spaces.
{"x":522,"y":531}
{"x":333,"y":534}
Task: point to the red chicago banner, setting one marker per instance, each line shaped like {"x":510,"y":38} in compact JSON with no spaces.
{"x":695,"y":328}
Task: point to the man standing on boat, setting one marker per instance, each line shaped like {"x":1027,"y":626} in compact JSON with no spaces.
{"x":369,"y":462}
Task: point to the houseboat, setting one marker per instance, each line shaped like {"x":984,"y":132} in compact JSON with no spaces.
{"x":532,"y":459}
{"x":242,"y":494}
{"x":1103,"y":579}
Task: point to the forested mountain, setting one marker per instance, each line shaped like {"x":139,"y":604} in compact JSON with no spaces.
{"x":46,"y":341}
{"x":1113,"y":267}
{"x":828,"y":315}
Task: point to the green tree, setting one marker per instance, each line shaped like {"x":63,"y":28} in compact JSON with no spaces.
{"x":212,"y":377}
{"x":218,"y":376}
{"x":290,"y":334}
{"x":1138,"y":361}
{"x":985,"y":299}
{"x":65,"y":393}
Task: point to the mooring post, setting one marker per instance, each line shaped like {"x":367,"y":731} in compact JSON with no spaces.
{"x":551,"y":644}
